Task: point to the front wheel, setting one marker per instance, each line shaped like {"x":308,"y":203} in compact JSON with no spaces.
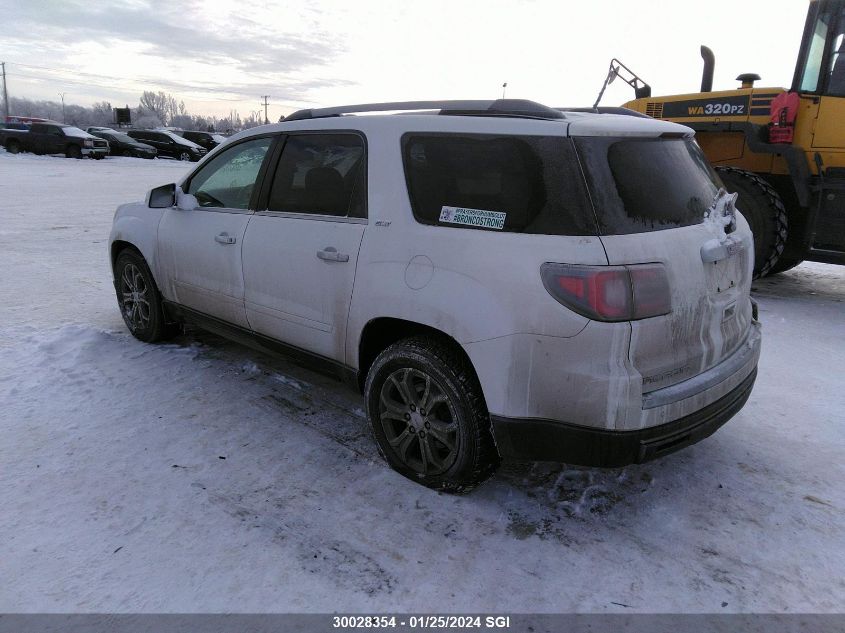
{"x":139,"y":299}
{"x":184,"y":156}
{"x":13,"y":147}
{"x":428,"y":415}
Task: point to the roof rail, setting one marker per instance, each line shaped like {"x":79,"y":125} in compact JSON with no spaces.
{"x":500,"y":107}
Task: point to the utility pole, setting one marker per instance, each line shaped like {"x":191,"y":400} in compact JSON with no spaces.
{"x":265,"y":97}
{"x":504,"y":87}
{"x":5,"y":94}
{"x":62,"y":95}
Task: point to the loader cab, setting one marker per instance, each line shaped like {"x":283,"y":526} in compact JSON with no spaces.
{"x":821,"y":63}
{"x":820,"y":81}
{"x":820,"y":76}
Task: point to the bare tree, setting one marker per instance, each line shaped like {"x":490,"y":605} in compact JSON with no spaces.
{"x":102,"y":113}
{"x":161,"y":104}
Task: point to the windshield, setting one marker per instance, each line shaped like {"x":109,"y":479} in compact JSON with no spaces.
{"x":179,"y":139}
{"x":70,"y":130}
{"x":642,"y":185}
{"x":123,"y":138}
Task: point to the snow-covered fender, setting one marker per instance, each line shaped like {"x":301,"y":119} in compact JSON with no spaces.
{"x":137,"y":224}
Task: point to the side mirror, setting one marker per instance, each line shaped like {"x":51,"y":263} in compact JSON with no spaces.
{"x":162,"y":197}
{"x":185,"y":201}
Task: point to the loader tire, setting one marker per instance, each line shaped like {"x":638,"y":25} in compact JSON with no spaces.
{"x":765,"y":213}
{"x":785,"y":263}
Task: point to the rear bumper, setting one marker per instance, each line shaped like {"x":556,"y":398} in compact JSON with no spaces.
{"x":549,"y":440}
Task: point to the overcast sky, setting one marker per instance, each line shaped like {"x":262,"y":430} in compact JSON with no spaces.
{"x":219,"y":56}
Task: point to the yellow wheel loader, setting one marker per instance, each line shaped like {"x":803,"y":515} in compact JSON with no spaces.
{"x":782,"y":151}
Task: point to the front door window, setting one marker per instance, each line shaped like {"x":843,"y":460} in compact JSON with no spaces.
{"x":228,"y":179}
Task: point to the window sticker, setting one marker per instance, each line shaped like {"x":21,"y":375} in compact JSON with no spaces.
{"x":473,"y":217}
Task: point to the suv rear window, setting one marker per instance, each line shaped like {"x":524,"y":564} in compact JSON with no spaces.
{"x":643,"y":185}
{"x":519,"y":184}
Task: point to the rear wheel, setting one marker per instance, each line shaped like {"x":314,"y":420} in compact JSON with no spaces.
{"x":764,"y":210}
{"x":428,"y":415}
{"x":139,"y":298}
{"x":13,"y":147}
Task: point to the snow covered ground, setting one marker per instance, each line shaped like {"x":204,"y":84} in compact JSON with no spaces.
{"x":202,"y":476}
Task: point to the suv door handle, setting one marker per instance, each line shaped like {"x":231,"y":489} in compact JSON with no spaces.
{"x":225,"y":238}
{"x":330,"y":254}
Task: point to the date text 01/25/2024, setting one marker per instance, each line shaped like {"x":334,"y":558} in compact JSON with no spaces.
{"x":420,"y":622}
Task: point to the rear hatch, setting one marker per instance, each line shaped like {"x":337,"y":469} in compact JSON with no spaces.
{"x":656,"y":202}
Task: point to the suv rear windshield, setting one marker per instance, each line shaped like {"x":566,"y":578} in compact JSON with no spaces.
{"x":642,"y":185}
{"x":520,"y":184}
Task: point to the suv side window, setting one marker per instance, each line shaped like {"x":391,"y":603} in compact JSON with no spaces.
{"x":323,"y":174}
{"x":516,"y":184}
{"x":227,"y":181}
{"x":42,"y":128}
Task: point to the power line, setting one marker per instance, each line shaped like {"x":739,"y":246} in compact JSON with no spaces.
{"x":89,"y":84}
{"x":266,"y":120}
{"x":5,"y":94}
{"x":138,"y":80}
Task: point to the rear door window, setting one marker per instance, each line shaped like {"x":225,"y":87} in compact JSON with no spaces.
{"x":642,"y":185}
{"x":321,"y":174}
{"x":519,"y":184}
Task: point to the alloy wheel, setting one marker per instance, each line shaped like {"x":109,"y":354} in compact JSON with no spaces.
{"x":134,"y":298}
{"x":419,"y":421}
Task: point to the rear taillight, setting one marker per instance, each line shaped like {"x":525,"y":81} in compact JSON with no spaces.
{"x":609,"y":293}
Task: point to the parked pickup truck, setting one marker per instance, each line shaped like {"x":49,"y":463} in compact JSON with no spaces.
{"x":53,"y":138}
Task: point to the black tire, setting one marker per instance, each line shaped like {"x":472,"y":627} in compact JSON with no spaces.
{"x":184,"y":156}
{"x":73,"y":151}
{"x":450,"y":447}
{"x":13,"y":147}
{"x":127,"y":153}
{"x":785,"y":263}
{"x":142,"y":312}
{"x":765,"y":212}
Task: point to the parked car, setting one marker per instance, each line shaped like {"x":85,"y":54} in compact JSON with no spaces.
{"x":54,"y":138}
{"x":500,"y":279}
{"x":97,"y":128}
{"x":208,"y":140}
{"x":11,"y":130}
{"x":124,"y":145}
{"x":169,"y":144}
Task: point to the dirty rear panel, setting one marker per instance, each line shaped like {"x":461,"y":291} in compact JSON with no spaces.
{"x":651,"y":198}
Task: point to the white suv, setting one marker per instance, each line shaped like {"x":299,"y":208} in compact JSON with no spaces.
{"x":501,"y":279}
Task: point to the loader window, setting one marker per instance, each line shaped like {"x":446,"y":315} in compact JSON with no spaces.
{"x":836,"y":82}
{"x":815,"y":54}
{"x":643,"y":185}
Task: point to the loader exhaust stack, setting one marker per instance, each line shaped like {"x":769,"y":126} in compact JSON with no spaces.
{"x":709,"y":65}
